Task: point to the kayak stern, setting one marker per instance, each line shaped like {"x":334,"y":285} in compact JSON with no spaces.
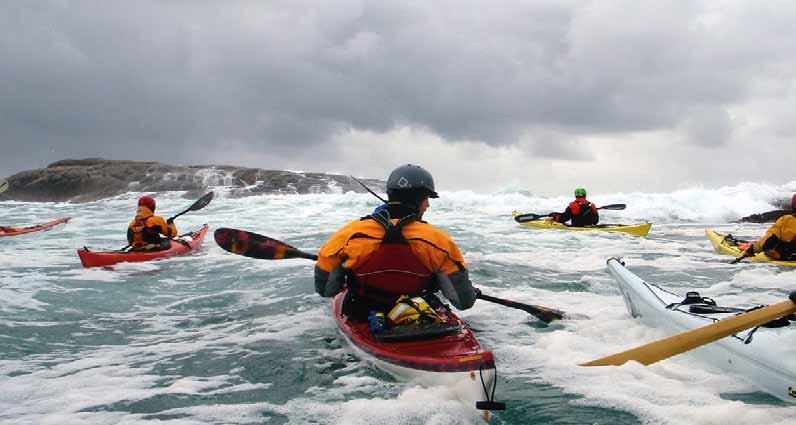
{"x":456,"y":362}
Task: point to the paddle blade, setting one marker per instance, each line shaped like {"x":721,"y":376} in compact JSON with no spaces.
{"x":613,"y":207}
{"x":198,"y":205}
{"x":252,"y":245}
{"x":661,"y":349}
{"x":201,"y":202}
{"x":3,"y":186}
{"x":544,"y":314}
{"x":522,"y":218}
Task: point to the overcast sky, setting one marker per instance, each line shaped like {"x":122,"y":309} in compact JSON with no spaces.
{"x":545,"y":95}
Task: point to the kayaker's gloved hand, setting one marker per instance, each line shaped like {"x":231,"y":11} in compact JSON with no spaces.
{"x":170,"y":221}
{"x":457,"y":288}
{"x":328,"y":284}
{"x":477,"y":292}
{"x":749,"y":251}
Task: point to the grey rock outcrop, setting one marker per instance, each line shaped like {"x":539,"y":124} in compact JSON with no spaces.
{"x":85,"y":180}
{"x":766,"y":217}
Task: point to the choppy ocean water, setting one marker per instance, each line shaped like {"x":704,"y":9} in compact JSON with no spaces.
{"x":218,"y":338}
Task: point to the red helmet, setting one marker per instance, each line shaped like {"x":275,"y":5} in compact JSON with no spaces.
{"x":147,"y":201}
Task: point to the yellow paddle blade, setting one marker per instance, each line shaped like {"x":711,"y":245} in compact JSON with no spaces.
{"x":661,"y":349}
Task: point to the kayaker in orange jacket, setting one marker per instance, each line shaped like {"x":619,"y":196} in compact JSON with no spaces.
{"x":779,"y":242}
{"x":144,"y":232}
{"x":580,"y":211}
{"x":393,"y":252}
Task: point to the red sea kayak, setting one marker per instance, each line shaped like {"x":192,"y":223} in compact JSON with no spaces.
{"x":108,"y":258}
{"x":14,"y":231}
{"x":455,"y":360}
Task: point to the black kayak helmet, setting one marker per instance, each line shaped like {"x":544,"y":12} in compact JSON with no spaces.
{"x":410,"y":180}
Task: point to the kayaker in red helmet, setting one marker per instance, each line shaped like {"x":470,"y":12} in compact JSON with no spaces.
{"x":779,"y":242}
{"x":393,"y":252}
{"x":144,"y":232}
{"x":580,"y":211}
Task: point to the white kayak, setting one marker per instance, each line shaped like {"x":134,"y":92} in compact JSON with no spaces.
{"x":765,"y":357}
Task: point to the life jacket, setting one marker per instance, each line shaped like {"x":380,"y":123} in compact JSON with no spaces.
{"x":391,"y":270}
{"x":412,"y":311}
{"x":784,"y":251}
{"x":141,"y":233}
{"x":583,"y":213}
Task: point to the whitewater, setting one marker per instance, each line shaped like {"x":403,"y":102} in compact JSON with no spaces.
{"x":215,"y":338}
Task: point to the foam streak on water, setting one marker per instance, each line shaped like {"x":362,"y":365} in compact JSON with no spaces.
{"x":218,"y":338}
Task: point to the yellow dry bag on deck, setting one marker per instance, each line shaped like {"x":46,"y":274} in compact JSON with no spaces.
{"x":412,"y":311}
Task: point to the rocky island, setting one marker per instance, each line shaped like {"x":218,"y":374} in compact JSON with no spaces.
{"x":86,"y":180}
{"x":765,"y":217}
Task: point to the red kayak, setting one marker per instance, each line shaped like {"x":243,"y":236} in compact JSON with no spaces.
{"x":14,"y":231}
{"x":454,"y":358}
{"x":109,"y":258}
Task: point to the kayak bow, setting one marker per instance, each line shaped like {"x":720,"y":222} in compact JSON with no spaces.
{"x":15,"y":231}
{"x":763,"y":356}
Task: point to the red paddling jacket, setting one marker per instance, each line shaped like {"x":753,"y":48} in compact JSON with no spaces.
{"x":380,"y":259}
{"x":581,"y":212}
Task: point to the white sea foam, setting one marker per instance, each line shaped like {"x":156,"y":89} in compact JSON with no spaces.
{"x":83,"y":345}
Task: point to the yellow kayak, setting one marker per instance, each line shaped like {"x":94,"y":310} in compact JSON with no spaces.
{"x":727,"y":245}
{"x":640,"y":229}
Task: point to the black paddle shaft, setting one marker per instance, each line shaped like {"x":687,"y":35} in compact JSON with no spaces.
{"x":253,"y":245}
{"x":368,"y":189}
{"x":739,"y":259}
{"x":544,"y":314}
{"x":522,"y":218}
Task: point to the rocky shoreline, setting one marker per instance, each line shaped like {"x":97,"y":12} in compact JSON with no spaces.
{"x":766,"y":217}
{"x":91,"y":179}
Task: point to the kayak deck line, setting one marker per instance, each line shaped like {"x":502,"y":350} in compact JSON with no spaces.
{"x":754,"y":352}
{"x":674,"y":308}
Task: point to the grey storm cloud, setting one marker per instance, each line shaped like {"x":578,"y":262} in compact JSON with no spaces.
{"x":149,"y":79}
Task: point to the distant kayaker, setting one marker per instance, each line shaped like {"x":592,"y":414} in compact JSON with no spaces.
{"x":580,"y":211}
{"x":779,"y":242}
{"x":393,"y":252}
{"x":144,"y":232}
